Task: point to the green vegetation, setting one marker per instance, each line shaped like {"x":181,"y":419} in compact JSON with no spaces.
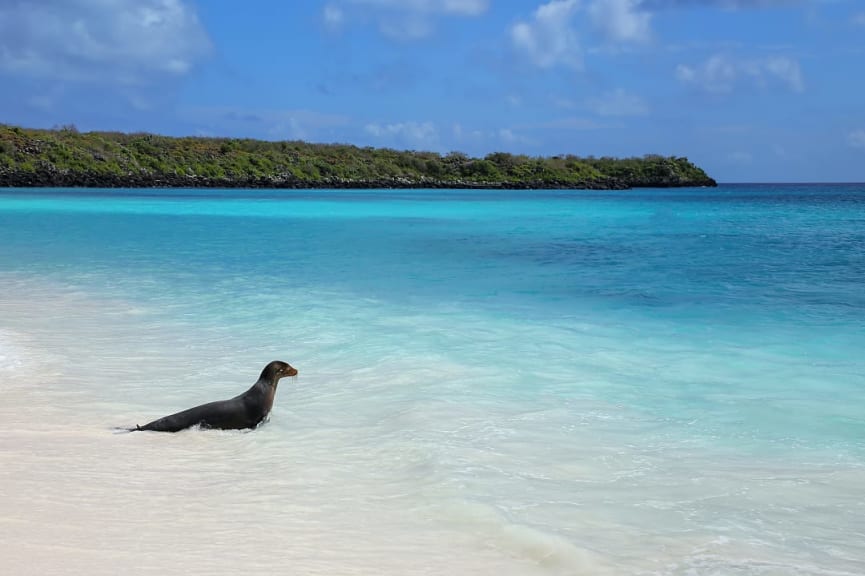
{"x":66,"y":157}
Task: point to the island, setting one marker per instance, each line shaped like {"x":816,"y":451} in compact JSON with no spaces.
{"x":65,"y":157}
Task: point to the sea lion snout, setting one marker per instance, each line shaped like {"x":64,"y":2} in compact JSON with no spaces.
{"x":276,"y":370}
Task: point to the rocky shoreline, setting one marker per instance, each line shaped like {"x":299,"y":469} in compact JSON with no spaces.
{"x":68,"y":179}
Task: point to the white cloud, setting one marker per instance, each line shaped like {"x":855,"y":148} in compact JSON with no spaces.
{"x":621,"y":20}
{"x":507,"y":135}
{"x":514,"y":139}
{"x":275,"y":124}
{"x":401,"y":19}
{"x":856,"y":139}
{"x":717,"y":74}
{"x":412,"y":132}
{"x":333,"y":16}
{"x":475,"y":137}
{"x":548,"y":38}
{"x":619,"y":103}
{"x":460,"y":134}
{"x":782,"y":68}
{"x":118,"y":41}
{"x":721,"y":74}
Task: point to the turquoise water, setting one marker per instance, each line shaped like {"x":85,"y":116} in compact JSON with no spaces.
{"x":641,"y":382}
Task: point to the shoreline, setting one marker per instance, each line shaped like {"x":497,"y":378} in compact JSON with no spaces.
{"x":56,"y":179}
{"x":68,"y":179}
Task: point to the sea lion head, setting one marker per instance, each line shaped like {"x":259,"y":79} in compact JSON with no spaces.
{"x":276,"y":370}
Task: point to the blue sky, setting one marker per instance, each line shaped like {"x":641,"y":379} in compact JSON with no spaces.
{"x":760,"y":90}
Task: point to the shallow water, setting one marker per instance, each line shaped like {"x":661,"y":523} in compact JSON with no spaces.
{"x":644,"y":382}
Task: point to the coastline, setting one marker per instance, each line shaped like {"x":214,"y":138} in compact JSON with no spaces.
{"x":52,"y":178}
{"x":69,"y":179}
{"x":31,"y":158}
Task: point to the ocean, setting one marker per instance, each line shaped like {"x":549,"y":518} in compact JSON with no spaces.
{"x":644,"y":382}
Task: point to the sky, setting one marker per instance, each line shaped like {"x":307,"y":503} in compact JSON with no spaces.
{"x":750,"y":90}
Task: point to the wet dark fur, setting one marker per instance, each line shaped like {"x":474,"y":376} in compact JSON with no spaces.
{"x":247,"y":410}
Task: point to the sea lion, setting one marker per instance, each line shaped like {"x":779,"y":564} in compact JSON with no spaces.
{"x":247,"y":410}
